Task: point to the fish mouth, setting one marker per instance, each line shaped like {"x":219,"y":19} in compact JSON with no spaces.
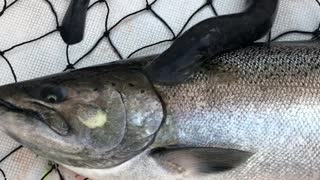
{"x":13,"y":108}
{"x":10,"y":107}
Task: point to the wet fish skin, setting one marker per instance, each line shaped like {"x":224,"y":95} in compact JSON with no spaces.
{"x":257,"y":99}
{"x":100,"y":123}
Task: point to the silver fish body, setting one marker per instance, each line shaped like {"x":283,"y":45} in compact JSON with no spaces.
{"x":259,"y":99}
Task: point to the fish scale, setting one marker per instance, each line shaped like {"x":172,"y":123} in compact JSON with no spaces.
{"x":259,"y":99}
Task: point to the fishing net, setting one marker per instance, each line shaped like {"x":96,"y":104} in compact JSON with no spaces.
{"x":31,"y":46}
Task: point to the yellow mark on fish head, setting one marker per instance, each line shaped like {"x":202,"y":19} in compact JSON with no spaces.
{"x":99,"y":119}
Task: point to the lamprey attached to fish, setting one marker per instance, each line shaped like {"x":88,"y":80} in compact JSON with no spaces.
{"x":211,"y":37}
{"x":253,"y":111}
{"x":74,"y":21}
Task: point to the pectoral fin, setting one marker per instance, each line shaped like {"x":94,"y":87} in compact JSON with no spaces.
{"x":199,"y":160}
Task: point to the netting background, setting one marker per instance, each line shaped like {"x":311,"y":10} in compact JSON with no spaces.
{"x":31,"y":46}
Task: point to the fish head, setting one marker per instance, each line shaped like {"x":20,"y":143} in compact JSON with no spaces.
{"x":86,"y":118}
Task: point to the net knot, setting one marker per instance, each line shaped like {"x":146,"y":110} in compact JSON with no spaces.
{"x":106,"y":33}
{"x":148,"y":6}
{"x":70,"y":66}
{"x":209,"y":2}
{"x":101,"y":1}
{"x":59,"y":28}
{"x":1,"y":53}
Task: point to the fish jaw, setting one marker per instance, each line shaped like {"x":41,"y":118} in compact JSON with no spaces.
{"x":90,"y":124}
{"x":89,"y":134}
{"x":26,"y":124}
{"x":13,"y":116}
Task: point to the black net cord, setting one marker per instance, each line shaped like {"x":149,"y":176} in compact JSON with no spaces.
{"x":48,"y":173}
{"x":3,"y":174}
{"x":7,"y":156}
{"x":5,"y":6}
{"x":56,"y":168}
{"x":13,"y":151}
{"x":108,"y":36}
{"x":147,"y":8}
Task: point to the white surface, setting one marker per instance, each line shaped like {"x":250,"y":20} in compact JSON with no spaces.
{"x":29,"y":19}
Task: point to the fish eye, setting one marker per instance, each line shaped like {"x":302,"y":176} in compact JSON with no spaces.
{"x":52,"y":98}
{"x":54,"y":94}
